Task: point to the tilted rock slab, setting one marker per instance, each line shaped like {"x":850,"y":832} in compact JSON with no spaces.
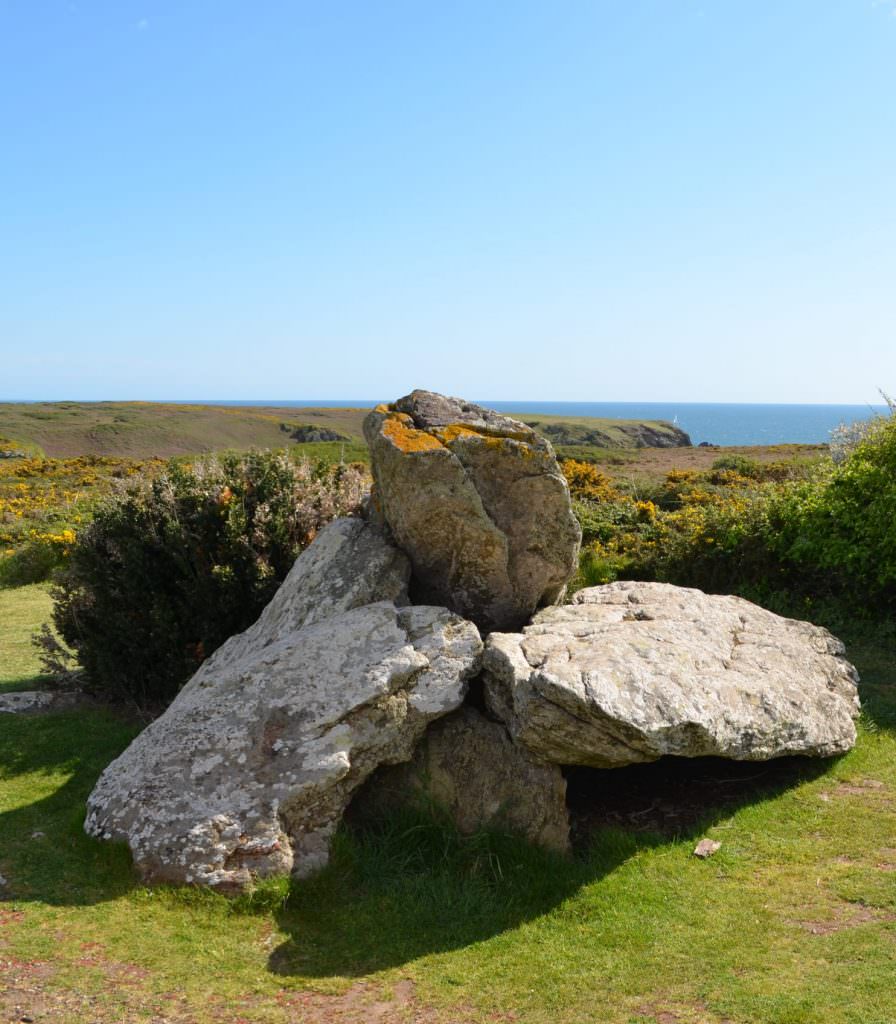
{"x":249,"y":770}
{"x":349,"y":564}
{"x":479,"y":504}
{"x":633,"y":671}
{"x":468,"y":766}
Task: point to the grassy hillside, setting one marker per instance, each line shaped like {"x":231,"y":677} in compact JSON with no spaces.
{"x":146,"y":429}
{"x":606,"y":433}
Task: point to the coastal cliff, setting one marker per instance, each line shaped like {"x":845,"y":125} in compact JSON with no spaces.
{"x":610,"y":433}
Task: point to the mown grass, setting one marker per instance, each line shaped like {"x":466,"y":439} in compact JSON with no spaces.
{"x":792,"y":922}
{"x":23,"y":610}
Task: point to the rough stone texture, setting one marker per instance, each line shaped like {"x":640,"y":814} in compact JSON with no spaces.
{"x":468,"y":765}
{"x":30,"y":702}
{"x":248,"y":772}
{"x":478,"y":502}
{"x":633,"y":671}
{"x":349,"y":564}
{"x":707,"y":848}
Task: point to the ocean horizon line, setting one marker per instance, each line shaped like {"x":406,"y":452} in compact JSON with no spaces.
{"x":356,"y":403}
{"x":714,"y":423}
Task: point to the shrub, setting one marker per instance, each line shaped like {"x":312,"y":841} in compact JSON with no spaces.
{"x":828,"y":537}
{"x":587,"y":482}
{"x":35,"y":560}
{"x":848,"y":436}
{"x":848,"y":526}
{"x":172,"y":566}
{"x":739,"y":464}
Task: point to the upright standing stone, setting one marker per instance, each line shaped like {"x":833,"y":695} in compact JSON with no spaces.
{"x":478,"y":503}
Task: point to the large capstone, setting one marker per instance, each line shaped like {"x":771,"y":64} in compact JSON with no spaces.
{"x":249,"y":770}
{"x":478,"y":503}
{"x":631,"y":672}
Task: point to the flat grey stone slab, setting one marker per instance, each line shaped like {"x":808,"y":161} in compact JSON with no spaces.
{"x":630,"y":672}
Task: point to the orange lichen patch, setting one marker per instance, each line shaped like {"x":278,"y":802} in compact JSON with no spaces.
{"x":453,"y":431}
{"x":398,"y":427}
{"x":520,"y":446}
{"x":382,"y":407}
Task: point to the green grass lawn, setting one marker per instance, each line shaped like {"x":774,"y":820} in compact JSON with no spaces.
{"x":22,"y":611}
{"x":792,"y":922}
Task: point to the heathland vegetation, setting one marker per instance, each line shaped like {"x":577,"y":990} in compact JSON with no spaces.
{"x":143,"y":430}
{"x":154,"y":563}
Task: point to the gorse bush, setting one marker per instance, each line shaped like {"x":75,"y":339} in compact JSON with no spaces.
{"x":172,"y":566}
{"x":44,"y":502}
{"x":791,"y":535}
{"x":39,"y":553}
{"x":848,"y":526}
{"x":740,"y":464}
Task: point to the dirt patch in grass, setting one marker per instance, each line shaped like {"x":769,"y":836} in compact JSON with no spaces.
{"x":859,"y":788}
{"x":364,"y":1003}
{"x":661,"y":1012}
{"x":847,"y":915}
{"x":887,"y":860}
{"x":25,"y":997}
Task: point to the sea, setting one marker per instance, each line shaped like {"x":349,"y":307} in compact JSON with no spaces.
{"x":712,"y":423}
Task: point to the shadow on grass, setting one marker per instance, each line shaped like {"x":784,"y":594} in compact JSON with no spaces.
{"x":411,"y":886}
{"x":396,"y":891}
{"x":677,"y":797}
{"x":875,"y":658}
{"x":48,"y":766}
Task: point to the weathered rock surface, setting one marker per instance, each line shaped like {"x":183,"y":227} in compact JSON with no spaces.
{"x":478,"y":503}
{"x":633,"y":671}
{"x":249,"y":770}
{"x":468,"y":765}
{"x":31,"y":702}
{"x":349,"y":564}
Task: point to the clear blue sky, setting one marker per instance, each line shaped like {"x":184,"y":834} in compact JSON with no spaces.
{"x":627,"y":200}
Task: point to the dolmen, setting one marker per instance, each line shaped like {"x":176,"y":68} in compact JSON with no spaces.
{"x":423,"y":652}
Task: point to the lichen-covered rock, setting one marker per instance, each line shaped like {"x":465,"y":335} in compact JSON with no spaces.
{"x":248,"y":772}
{"x":633,"y":671}
{"x":479,"y":504}
{"x":348,"y":564}
{"x":467,"y":765}
{"x":29,"y":702}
